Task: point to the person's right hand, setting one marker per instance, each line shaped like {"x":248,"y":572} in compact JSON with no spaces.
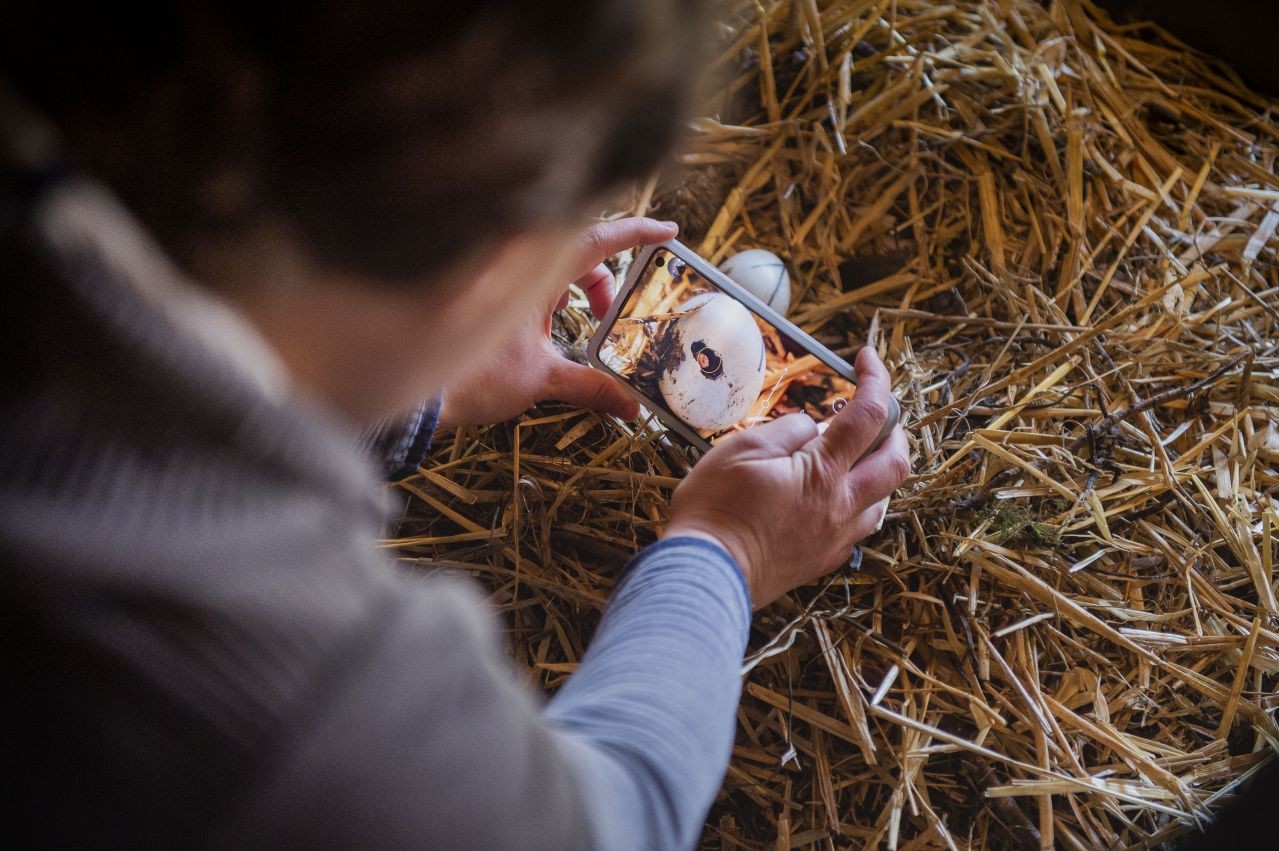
{"x":781,"y":497}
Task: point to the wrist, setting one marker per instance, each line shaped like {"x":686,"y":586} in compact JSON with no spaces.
{"x":445,"y":417}
{"x":677,"y":529}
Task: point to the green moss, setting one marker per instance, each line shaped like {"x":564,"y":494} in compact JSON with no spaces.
{"x":1014,"y":523}
{"x":1046,"y":534}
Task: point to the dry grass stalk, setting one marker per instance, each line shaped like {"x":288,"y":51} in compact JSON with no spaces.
{"x":1060,"y":234}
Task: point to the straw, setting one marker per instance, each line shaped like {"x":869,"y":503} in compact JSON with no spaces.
{"x":1060,"y":234}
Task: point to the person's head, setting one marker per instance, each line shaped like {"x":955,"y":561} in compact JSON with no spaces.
{"x":393,"y":143}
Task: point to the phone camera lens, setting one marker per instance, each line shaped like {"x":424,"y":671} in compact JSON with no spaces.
{"x":677,"y":267}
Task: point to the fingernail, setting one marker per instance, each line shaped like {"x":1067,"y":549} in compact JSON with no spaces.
{"x":667,"y":223}
{"x":883,"y":514}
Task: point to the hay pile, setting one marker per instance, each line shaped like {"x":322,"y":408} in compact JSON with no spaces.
{"x":1060,"y":234}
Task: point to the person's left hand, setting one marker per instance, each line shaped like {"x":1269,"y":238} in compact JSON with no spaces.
{"x":528,"y":368}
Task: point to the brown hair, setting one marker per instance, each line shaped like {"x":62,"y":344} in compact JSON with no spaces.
{"x":394,"y":134}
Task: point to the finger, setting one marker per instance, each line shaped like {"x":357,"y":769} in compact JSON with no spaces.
{"x":782,"y":436}
{"x":600,"y":287}
{"x":603,"y":240}
{"x":580,"y":385}
{"x":864,"y":525}
{"x":880,"y":473}
{"x":563,"y":302}
{"x":853,"y":430}
{"x":773,"y":439}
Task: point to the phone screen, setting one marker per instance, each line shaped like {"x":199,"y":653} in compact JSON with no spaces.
{"x":709,"y":361}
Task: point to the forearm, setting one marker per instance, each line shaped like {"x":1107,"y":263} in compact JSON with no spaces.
{"x":648,"y":718}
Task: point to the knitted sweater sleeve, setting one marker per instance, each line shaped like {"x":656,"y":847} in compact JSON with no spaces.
{"x":429,"y":741}
{"x":647,"y":721}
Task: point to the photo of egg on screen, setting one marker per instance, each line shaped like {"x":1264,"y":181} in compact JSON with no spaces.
{"x":709,"y":360}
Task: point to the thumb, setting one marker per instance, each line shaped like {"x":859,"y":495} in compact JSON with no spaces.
{"x":867,"y":419}
{"x":580,"y":385}
{"x":604,"y":239}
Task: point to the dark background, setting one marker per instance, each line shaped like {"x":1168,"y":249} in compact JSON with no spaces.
{"x":1242,"y":32}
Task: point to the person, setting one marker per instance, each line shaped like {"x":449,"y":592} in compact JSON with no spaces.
{"x":243,"y":243}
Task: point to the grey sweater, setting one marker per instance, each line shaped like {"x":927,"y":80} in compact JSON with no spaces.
{"x":202,"y":646}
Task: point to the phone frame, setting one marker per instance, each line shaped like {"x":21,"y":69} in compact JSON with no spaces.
{"x":750,"y":302}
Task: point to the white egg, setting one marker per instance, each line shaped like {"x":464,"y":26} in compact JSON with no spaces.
{"x":716,"y":367}
{"x":763,"y":274}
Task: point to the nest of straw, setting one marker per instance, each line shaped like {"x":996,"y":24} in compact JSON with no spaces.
{"x":1060,"y":235}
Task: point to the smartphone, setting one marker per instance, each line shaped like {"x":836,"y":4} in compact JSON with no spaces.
{"x":711,"y":359}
